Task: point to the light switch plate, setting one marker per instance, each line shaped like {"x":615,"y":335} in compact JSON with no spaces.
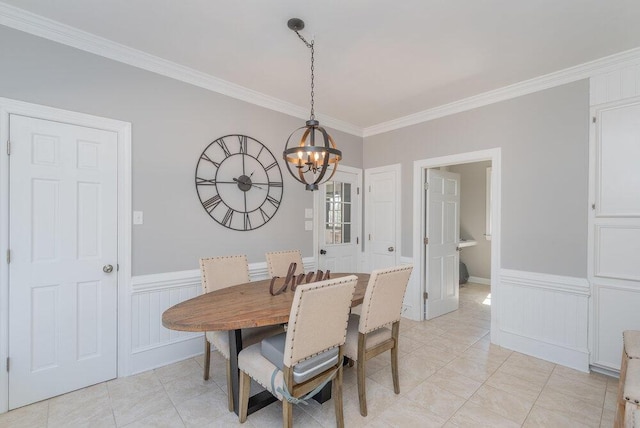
{"x":138,"y":217}
{"x":308,"y":213}
{"x":308,"y":225}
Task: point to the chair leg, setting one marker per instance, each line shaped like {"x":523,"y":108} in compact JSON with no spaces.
{"x":395,"y":330}
{"x":229,"y":389}
{"x":207,"y":358}
{"x":337,"y":398}
{"x":362,"y":391}
{"x":620,"y":402}
{"x":245,"y":386}
{"x":287,"y":414}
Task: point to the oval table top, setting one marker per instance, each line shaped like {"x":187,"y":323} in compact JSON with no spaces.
{"x":241,"y":306}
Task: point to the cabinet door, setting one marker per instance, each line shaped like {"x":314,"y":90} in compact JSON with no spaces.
{"x":617,"y":193}
{"x":614,"y":229}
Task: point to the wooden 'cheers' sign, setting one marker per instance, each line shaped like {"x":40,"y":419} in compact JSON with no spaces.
{"x":295,"y":280}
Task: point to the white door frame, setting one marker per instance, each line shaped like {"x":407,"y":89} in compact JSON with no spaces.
{"x":123,"y":130}
{"x":419,"y":173}
{"x":397,"y":169}
{"x":318,"y":205}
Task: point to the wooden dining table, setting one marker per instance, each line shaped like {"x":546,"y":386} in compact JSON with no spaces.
{"x":243,"y":306}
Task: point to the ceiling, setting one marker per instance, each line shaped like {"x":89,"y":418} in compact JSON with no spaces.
{"x":375,"y":60}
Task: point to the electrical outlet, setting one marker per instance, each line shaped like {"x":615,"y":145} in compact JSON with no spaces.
{"x":308,"y":213}
{"x":308,"y":225}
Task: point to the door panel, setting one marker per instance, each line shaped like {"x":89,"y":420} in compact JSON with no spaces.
{"x":339,"y":223}
{"x":443,"y":231}
{"x":63,"y":229}
{"x":382,"y":216}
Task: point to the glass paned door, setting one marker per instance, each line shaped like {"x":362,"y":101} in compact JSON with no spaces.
{"x":338,"y":202}
{"x":338,"y":222}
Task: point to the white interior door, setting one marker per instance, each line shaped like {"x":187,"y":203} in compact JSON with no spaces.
{"x":339,"y":227}
{"x":382,"y":216}
{"x":443,"y":233}
{"x":62,"y":234}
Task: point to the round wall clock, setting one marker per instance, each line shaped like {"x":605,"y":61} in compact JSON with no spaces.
{"x":239,"y":182}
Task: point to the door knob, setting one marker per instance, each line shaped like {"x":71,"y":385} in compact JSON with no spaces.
{"x":323,"y":252}
{"x":390,"y":249}
{"x":107,"y":268}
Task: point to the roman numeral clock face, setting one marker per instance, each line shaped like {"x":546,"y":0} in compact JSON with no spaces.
{"x":239,"y":182}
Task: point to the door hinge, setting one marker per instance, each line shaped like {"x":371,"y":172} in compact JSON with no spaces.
{"x":426,"y":295}
{"x":9,"y":147}
{"x":117,"y":267}
{"x":426,"y":241}
{"x":369,"y":237}
{"x":8,"y":256}
{"x":369,"y":188}
{"x":7,"y":364}
{"x":357,"y":190}
{"x":357,"y":240}
{"x":593,"y":119}
{"x":426,"y":186}
{"x":593,"y":206}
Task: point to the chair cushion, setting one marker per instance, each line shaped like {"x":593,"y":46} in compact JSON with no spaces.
{"x":373,"y":338}
{"x":632,"y":382}
{"x":272,"y":349}
{"x":631,"y":340}
{"x":220,"y":339}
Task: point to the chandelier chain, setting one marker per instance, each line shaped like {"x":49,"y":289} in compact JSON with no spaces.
{"x":310,"y":46}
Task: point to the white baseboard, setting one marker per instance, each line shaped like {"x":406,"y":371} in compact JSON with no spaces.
{"x":575,"y":358}
{"x":167,"y":353}
{"x":478,"y":280}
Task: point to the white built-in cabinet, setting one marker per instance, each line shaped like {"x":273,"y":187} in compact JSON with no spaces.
{"x":614,"y":220}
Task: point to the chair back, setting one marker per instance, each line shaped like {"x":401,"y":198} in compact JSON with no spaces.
{"x":278,"y":262}
{"x":382,"y":304}
{"x":224,"y":271}
{"x":318,"y":319}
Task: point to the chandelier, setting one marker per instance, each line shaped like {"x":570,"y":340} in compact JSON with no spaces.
{"x":313,"y":157}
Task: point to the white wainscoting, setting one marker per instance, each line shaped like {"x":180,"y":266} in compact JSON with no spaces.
{"x":411,"y":308}
{"x":153,"y":345}
{"x":545,"y":316}
{"x":621,"y":83}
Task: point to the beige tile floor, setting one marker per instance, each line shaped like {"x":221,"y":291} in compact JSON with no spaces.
{"x":450,"y":375}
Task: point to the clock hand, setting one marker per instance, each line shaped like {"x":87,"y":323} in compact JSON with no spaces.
{"x":246,"y":183}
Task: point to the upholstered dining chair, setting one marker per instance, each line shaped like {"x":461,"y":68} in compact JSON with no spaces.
{"x":217,"y":273}
{"x":367,"y":333}
{"x":295,"y":365}
{"x":278,"y":262}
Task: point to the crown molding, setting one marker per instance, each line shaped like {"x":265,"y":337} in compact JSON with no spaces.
{"x":20,"y":19}
{"x":561,"y":77}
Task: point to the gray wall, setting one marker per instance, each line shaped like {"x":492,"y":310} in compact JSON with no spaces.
{"x":172,"y":123}
{"x":473,"y":214}
{"x":545,"y":142}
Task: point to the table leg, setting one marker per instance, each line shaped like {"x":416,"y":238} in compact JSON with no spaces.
{"x":235,"y":346}
{"x":256,"y":402}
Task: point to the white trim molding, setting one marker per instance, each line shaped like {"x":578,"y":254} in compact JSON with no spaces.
{"x":20,"y":19}
{"x":545,"y":316}
{"x":419,"y":177}
{"x":478,"y":280}
{"x":123,"y":131}
{"x":572,"y":74}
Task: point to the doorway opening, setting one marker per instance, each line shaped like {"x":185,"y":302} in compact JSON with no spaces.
{"x":475,"y":241}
